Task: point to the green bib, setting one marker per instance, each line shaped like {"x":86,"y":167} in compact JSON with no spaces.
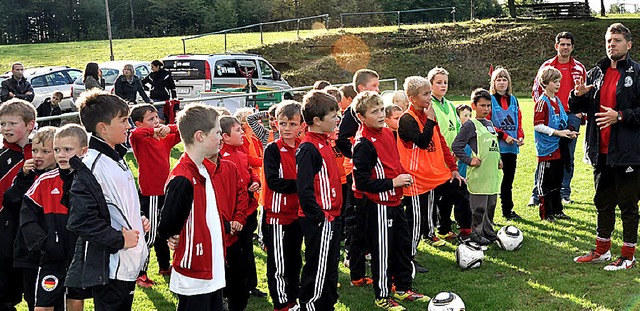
{"x":486,"y":178}
{"x":447,"y":118}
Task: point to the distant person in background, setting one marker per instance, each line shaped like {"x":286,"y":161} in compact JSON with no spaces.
{"x":50,"y":107}
{"x":127,"y":85}
{"x":250,"y":87}
{"x":163,"y":87}
{"x":17,"y":86}
{"x":321,"y":84}
{"x":92,"y":77}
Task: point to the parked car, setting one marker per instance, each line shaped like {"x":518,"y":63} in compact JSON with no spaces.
{"x":46,"y":80}
{"x":202,"y":75}
{"x":111,"y":71}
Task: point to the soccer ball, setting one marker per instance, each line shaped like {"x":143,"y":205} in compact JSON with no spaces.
{"x":510,"y":238}
{"x":469,"y":255}
{"x":446,"y":301}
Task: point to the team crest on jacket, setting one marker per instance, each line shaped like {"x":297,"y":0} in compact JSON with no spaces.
{"x":49,"y":283}
{"x":55,"y":191}
{"x":628,"y":81}
{"x":333,"y":193}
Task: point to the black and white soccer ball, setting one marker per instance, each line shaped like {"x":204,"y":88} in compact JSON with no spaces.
{"x":446,"y":301}
{"x":510,"y":238}
{"x":469,"y":255}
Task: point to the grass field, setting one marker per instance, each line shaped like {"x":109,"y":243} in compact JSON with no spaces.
{"x":540,"y":276}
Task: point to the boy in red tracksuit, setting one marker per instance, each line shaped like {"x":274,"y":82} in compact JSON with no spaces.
{"x":320,"y":195}
{"x":191,"y":210}
{"x":232,"y":150}
{"x":380,"y":176}
{"x":282,"y":234}
{"x":152,"y":143}
{"x":17,"y":119}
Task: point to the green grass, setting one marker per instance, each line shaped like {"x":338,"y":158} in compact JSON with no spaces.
{"x":540,"y":276}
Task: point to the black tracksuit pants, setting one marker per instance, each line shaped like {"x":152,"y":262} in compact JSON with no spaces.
{"x":284,"y":261}
{"x":151,"y":206}
{"x":237,"y":291}
{"x":319,"y":281}
{"x":509,"y":162}
{"x":453,"y":195}
{"x":390,"y":242}
{"x":421,"y":216}
{"x":249,"y":229}
{"x":549,"y":181}
{"x":617,"y":186}
{"x":356,"y":236}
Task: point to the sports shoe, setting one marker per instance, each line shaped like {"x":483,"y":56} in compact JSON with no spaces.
{"x":550,"y":218}
{"x":362,"y":282}
{"x":562,"y":216}
{"x":389,"y":304}
{"x":473,"y":237}
{"x":567,"y":201}
{"x":512,"y":216}
{"x":345,"y":262}
{"x":419,"y":268}
{"x":410,"y":295}
{"x":435,"y":241}
{"x":593,"y":257}
{"x":145,"y":281}
{"x":533,"y":202}
{"x":621,"y":263}
{"x":165,"y":272}
{"x":257,"y":293}
{"x":449,"y":237}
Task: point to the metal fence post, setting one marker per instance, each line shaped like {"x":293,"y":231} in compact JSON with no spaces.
{"x":326,"y":18}
{"x":453,"y":14}
{"x":184,"y":46}
{"x":298,"y":29}
{"x":261,"y":38}
{"x":341,"y":21}
{"x":225,"y":41}
{"x":395,"y":84}
{"x":398,"y":19}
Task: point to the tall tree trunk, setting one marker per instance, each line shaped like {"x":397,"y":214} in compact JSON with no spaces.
{"x":133,"y":25}
{"x":512,"y":8}
{"x":602,"y":11}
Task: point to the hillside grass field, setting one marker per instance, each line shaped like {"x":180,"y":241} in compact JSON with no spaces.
{"x":539,"y":276}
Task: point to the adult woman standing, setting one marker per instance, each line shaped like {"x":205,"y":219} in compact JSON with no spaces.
{"x":92,"y":77}
{"x":127,"y":85}
{"x":163,"y":87}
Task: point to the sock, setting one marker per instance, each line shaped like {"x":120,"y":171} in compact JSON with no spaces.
{"x":543,"y":209}
{"x":603,"y":245}
{"x":628,"y":250}
{"x":465,"y":232}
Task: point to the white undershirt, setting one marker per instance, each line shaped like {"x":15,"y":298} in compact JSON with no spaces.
{"x":184,"y":285}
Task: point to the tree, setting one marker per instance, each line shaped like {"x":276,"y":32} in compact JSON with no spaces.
{"x":602,"y":11}
{"x":512,"y":8}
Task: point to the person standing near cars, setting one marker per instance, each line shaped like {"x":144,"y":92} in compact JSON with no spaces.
{"x":163,"y":87}
{"x":127,"y":85}
{"x":17,"y":86}
{"x":92,"y":78}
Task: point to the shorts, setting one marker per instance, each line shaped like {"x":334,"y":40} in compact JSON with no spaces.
{"x":75,"y":293}
{"x":50,"y":288}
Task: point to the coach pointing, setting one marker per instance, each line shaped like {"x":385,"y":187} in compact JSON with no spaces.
{"x":611,"y":99}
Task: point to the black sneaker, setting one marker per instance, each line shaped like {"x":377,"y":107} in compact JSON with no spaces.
{"x":473,"y":237}
{"x":419,"y":268}
{"x":550,"y":219}
{"x":257,"y":293}
{"x":512,"y":216}
{"x":562,"y":216}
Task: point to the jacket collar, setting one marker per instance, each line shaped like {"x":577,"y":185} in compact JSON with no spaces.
{"x":16,"y":147}
{"x":101,"y":146}
{"x":606,"y":63}
{"x":554,"y":61}
{"x":188,"y":163}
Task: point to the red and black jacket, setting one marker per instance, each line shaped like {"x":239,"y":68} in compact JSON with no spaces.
{"x":12,"y":158}
{"x":153,"y":156}
{"x":319,"y":187}
{"x":281,"y":196}
{"x":376,"y":163}
{"x":231,"y":196}
{"x":237,"y":155}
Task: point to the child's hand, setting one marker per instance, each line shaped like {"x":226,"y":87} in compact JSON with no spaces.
{"x":431,"y":114}
{"x":402,"y":180}
{"x":173,"y":241}
{"x":566,"y":134}
{"x":130,"y":237}
{"x":500,"y":165}
{"x":456,"y":175}
{"x":520,"y":141}
{"x":475,"y":162}
{"x":509,"y":140}
{"x":146,"y":225}
{"x":235,"y":227}
{"x":28,"y":166}
{"x":254,"y":187}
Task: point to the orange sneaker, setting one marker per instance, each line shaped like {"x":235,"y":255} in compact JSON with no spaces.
{"x":593,"y":257}
{"x":145,"y":281}
{"x":362,"y":282}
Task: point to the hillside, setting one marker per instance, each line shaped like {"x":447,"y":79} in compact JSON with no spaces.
{"x":466,"y":50}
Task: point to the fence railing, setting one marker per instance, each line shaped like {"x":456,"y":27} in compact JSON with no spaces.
{"x":452,"y":9}
{"x":221,"y":97}
{"x":325,"y":17}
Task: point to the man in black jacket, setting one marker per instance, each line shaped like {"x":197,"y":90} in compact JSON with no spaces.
{"x":611,"y":99}
{"x":17,"y":86}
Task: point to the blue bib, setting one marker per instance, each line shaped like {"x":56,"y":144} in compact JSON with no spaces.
{"x":545,"y":144}
{"x":507,"y":121}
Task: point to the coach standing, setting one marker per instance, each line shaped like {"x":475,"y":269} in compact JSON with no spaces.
{"x":572,"y":71}
{"x":611,"y":99}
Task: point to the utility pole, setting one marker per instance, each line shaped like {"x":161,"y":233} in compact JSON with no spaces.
{"x":472,"y":11}
{"x":106,"y":5}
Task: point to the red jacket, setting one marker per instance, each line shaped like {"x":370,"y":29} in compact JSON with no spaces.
{"x":153,"y":156}
{"x":12,"y":158}
{"x":319,"y":187}
{"x":281,"y":196}
{"x":184,"y":213}
{"x":231,"y":196}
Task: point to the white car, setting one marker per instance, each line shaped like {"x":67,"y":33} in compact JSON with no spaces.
{"x":111,"y":71}
{"x":46,"y":80}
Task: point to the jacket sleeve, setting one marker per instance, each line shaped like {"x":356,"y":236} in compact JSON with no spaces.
{"x":174,"y":135}
{"x":347,"y":129}
{"x":177,"y":206}
{"x":467,"y":131}
{"x":170,"y":85}
{"x":272,"y":172}
{"x":4,"y":92}
{"x":26,"y":97}
{"x":364,"y":160}
{"x":142,"y":93}
{"x":31,"y":218}
{"x":409,"y":131}
{"x":84,"y":221}
{"x":91,"y":83}
{"x":12,"y":198}
{"x":255,"y":122}
{"x":309,"y":163}
{"x":117,"y":86}
{"x":242,"y":201}
{"x":139,"y":134}
{"x":449,"y":159}
{"x":146,"y":80}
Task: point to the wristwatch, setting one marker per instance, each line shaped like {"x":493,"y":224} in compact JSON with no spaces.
{"x":619,"y":116}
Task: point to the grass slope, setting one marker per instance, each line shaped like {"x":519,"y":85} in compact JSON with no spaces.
{"x":540,"y":276}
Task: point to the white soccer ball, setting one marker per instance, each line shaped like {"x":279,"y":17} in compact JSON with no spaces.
{"x":446,"y":301}
{"x":469,"y":255}
{"x":510,"y":238}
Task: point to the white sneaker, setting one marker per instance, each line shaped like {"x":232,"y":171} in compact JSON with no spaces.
{"x":566,"y":201}
{"x":346,"y":262}
{"x":621,"y":263}
{"x":593,"y":257}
